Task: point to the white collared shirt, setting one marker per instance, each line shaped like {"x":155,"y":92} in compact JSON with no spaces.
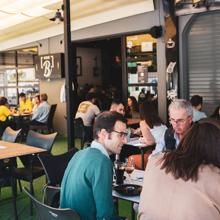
{"x":100,"y":147}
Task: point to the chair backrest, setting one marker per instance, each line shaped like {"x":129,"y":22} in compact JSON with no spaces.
{"x":44,"y":141}
{"x":51,"y":116}
{"x":79,"y":130}
{"x":51,"y":196}
{"x":55,"y":166}
{"x":50,"y":213}
{"x":10,"y":135}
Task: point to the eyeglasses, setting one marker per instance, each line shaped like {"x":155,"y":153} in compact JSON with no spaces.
{"x":121,"y":133}
{"x":178,"y":121}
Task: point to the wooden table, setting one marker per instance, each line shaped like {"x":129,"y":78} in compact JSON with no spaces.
{"x":21,"y":120}
{"x":9,"y":150}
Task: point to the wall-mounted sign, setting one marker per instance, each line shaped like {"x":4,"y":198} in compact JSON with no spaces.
{"x":50,"y":66}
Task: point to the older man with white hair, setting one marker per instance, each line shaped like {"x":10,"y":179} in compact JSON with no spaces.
{"x":180,"y":116}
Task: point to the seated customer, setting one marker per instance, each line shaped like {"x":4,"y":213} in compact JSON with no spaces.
{"x":36,"y":102}
{"x":132,"y":110}
{"x":88,"y":110}
{"x":117,"y":106}
{"x":25,"y":105}
{"x":4,"y":113}
{"x":152,"y":129}
{"x":87,"y":183}
{"x":184,"y":183}
{"x":42,"y":112}
{"x":197,"y":102}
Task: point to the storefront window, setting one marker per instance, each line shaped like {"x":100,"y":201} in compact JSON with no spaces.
{"x":18,"y":74}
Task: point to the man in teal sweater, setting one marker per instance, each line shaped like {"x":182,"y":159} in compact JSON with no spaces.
{"x":87,"y":182}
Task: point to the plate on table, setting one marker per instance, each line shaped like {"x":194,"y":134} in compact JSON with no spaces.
{"x":128,"y":189}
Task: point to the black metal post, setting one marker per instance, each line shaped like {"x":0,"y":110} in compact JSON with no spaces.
{"x":70,"y":74}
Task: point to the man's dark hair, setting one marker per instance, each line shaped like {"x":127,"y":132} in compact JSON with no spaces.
{"x":199,"y":146}
{"x":3,"y":100}
{"x":106,"y":120}
{"x":43,"y":97}
{"x":196,"y":100}
{"x":91,"y":96}
{"x":117,"y":102}
{"x":22,"y":94}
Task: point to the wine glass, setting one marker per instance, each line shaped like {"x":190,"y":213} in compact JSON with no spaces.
{"x":129,"y":167}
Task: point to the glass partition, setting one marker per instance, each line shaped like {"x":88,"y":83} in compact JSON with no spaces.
{"x":17,"y":74}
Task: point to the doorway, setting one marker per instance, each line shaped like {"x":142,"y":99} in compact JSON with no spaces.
{"x":101,"y":63}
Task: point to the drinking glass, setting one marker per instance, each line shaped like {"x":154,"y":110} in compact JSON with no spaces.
{"x":129,"y":167}
{"x":119,"y":168}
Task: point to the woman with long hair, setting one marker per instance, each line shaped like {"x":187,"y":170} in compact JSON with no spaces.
{"x":132,"y":109}
{"x":184,"y":183}
{"x":152,"y":129}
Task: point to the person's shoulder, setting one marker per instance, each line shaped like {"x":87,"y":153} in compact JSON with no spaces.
{"x":155,"y":160}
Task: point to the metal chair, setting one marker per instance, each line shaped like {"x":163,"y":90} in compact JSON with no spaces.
{"x":79,"y":131}
{"x":7,"y":180}
{"x":11,"y":135}
{"x":55,"y":165}
{"x":48,"y":126}
{"x":54,"y":168}
{"x":32,"y":167}
{"x":50,"y":213}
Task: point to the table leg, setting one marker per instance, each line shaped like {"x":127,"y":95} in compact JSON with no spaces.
{"x":115,"y":200}
{"x":132,"y":212}
{"x":142,"y":158}
{"x":14,"y":191}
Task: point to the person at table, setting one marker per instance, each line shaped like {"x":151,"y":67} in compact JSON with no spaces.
{"x":184,"y":183}
{"x":35,"y":102}
{"x":41,"y":114}
{"x":197,"y":102}
{"x":25,"y":105}
{"x":132,"y":110}
{"x":88,"y":110}
{"x":87,"y":183}
{"x":152,"y":129}
{"x":180,"y":114}
{"x":117,"y":106}
{"x":4,"y":115}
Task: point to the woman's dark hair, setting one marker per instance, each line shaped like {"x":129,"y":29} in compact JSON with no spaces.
{"x":135,"y":106}
{"x":3,"y":100}
{"x":216,"y":113}
{"x":106,"y":120}
{"x":149,"y":113}
{"x":200,"y":145}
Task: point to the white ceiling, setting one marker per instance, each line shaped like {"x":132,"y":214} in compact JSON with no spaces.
{"x":25,"y":21}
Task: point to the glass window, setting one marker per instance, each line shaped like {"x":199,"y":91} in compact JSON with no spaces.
{"x":19,"y":78}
